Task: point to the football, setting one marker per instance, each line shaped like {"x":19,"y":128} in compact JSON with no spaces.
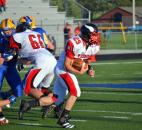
{"x":78,"y":64}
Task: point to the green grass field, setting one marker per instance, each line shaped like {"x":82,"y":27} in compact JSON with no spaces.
{"x":97,"y":108}
{"x":115,"y":41}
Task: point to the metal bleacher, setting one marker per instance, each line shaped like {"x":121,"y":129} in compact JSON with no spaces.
{"x":46,"y":16}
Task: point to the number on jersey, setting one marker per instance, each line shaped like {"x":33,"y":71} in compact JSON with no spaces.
{"x":36,"y":41}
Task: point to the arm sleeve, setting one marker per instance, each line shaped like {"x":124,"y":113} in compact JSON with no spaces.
{"x":69,"y":50}
{"x":92,"y":58}
{"x":14,"y":44}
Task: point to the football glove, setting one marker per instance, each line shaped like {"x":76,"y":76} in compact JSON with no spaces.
{"x":7,"y":56}
{"x":12,"y":99}
{"x":20,"y":66}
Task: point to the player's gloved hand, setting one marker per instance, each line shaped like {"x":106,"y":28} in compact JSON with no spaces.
{"x":91,"y":71}
{"x":7,"y":56}
{"x":20,"y":66}
{"x":12,"y":99}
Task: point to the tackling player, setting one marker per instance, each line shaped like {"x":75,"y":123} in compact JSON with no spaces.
{"x":30,"y":20}
{"x":84,"y":47}
{"x":29,"y":45}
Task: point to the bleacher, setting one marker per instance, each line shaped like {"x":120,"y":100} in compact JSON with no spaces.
{"x":46,"y":16}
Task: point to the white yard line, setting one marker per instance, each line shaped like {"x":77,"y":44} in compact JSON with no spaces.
{"x":78,"y":120}
{"x":98,"y":111}
{"x":113,"y":112}
{"x":30,"y":124}
{"x":115,"y":117}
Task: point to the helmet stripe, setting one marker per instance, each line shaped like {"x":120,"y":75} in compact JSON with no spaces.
{"x":90,"y":28}
{"x":6,"y":23}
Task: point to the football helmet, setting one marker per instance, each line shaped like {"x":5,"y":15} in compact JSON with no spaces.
{"x":7,"y":24}
{"x":29,"y":20}
{"x":89,"y":33}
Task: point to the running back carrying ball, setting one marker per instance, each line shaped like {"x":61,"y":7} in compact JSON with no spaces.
{"x":78,"y":64}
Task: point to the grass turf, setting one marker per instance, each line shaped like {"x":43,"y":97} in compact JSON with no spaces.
{"x":97,"y":108}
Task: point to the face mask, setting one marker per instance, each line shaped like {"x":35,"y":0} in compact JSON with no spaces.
{"x":94,"y":38}
{"x":7,"y":33}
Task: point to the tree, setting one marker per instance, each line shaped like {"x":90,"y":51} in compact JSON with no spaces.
{"x":97,"y":7}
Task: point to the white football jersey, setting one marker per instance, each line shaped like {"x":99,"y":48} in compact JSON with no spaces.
{"x":76,"y":48}
{"x":32,"y":47}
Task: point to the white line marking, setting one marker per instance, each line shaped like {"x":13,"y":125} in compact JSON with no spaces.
{"x":75,"y":120}
{"x":113,"y":93}
{"x":97,"y":111}
{"x":30,"y":124}
{"x":37,"y":124}
{"x":113,"y":112}
{"x":115,"y":117}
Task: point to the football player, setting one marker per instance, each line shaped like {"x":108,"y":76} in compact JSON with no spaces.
{"x":8,"y":68}
{"x":32,"y":22}
{"x":10,"y":100}
{"x":29,"y":45}
{"x":84,"y":47}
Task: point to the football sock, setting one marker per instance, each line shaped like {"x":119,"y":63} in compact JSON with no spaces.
{"x":1,"y":115}
{"x":34,"y":103}
{"x":65,"y":113}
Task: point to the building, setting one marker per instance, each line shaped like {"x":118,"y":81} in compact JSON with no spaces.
{"x":121,"y":14}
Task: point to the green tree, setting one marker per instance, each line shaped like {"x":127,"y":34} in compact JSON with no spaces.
{"x":97,"y":7}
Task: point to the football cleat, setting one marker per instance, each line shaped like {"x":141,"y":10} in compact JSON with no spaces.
{"x":47,"y":109}
{"x":3,"y":121}
{"x":24,"y":107}
{"x":64,"y":122}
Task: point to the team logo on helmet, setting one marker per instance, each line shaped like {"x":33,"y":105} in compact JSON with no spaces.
{"x":7,"y":24}
{"x":89,"y":32}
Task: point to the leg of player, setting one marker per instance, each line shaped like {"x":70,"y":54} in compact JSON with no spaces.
{"x":46,"y":110}
{"x":10,"y":100}
{"x":35,"y":93}
{"x":58,"y":110}
{"x":64,"y":117}
{"x":3,"y":120}
{"x":61,"y":90}
{"x":70,"y":82}
{"x":42,"y":101}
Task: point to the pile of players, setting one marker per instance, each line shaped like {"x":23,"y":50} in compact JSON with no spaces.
{"x":28,"y":44}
